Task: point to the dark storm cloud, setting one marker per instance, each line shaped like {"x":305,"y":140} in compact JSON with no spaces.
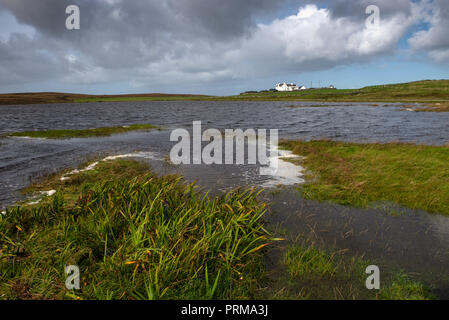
{"x":44,"y":15}
{"x":222,"y":18}
{"x":217,"y":17}
{"x":122,"y":33}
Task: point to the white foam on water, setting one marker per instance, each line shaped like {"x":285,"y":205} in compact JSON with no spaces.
{"x":145,"y":155}
{"x":43,"y":195}
{"x":141,"y":154}
{"x":48,"y":193}
{"x":26,"y":137}
{"x":287,"y":173}
{"x":76,"y":171}
{"x":32,"y":203}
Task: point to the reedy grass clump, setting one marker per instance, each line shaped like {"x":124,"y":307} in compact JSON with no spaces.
{"x":412,"y":176}
{"x":316,"y":273}
{"x":145,"y":237}
{"x":403,"y":288}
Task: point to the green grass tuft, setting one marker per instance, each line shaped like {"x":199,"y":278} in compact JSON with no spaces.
{"x":303,"y":261}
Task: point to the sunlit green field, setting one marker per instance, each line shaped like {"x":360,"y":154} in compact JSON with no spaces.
{"x":412,"y":176}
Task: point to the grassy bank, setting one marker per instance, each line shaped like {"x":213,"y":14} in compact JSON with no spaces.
{"x":86,"y":133}
{"x":364,"y":175}
{"x":431,"y":91}
{"x":134,"y":236}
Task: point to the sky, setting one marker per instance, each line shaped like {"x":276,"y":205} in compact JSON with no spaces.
{"x":219,"y":47}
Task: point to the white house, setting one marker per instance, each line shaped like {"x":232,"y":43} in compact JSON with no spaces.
{"x":289,"y":87}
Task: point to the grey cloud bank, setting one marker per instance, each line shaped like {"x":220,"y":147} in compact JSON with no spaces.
{"x":152,"y":44}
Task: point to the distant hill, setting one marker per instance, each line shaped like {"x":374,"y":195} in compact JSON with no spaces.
{"x":56,"y":97}
{"x":36,"y":98}
{"x":421,"y":90}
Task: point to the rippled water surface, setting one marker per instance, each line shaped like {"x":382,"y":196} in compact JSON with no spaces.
{"x":361,"y":122}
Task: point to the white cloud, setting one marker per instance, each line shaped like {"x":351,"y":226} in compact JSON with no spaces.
{"x":313,"y":39}
{"x":435,"y":39}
